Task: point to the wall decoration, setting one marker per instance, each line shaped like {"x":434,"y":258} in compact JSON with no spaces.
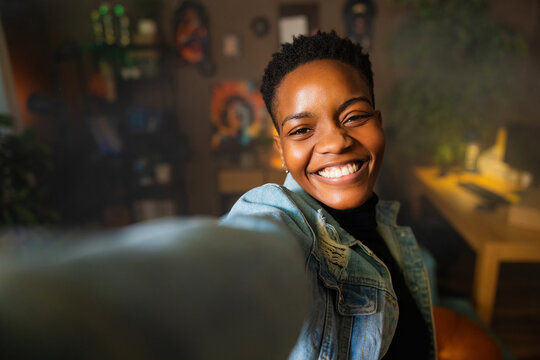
{"x":297,"y":19}
{"x":260,"y":26}
{"x":191,"y":32}
{"x":238,"y":114}
{"x":359,"y":15}
{"x":231,"y":45}
{"x":291,"y":26}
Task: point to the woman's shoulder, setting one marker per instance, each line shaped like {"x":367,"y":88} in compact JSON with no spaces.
{"x":268,"y":198}
{"x":267,"y":194}
{"x":275,"y":201}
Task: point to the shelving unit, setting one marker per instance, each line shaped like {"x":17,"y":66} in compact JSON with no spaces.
{"x":139,"y":152}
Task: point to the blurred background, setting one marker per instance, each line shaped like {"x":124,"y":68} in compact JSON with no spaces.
{"x":117,"y":112}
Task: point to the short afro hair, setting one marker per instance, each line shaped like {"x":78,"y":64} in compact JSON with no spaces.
{"x":303,"y":49}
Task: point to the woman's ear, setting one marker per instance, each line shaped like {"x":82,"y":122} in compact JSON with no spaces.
{"x":277,"y":146}
{"x":379,"y":117}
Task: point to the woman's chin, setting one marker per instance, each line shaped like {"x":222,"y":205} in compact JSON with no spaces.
{"x":347,"y":199}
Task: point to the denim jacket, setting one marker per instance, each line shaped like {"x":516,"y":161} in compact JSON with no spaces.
{"x":354,"y":309}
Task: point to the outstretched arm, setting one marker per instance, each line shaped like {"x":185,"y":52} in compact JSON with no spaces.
{"x":189,"y":289}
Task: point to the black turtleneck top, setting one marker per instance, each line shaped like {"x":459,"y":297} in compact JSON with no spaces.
{"x":411,"y":339}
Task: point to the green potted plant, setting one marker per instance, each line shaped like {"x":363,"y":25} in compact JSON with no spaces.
{"x":23,"y":160}
{"x":455,"y":71}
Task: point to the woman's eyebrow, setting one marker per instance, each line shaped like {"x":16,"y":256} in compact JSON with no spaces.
{"x":349,"y":102}
{"x":301,"y":115}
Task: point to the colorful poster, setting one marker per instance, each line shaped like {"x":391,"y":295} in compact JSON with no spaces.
{"x":238,"y":114}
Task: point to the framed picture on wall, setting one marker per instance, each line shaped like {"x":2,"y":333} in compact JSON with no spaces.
{"x":359,"y":16}
{"x":231,"y":45}
{"x":191,"y":32}
{"x":297,"y":19}
{"x":238,"y":115}
{"x":192,"y":36}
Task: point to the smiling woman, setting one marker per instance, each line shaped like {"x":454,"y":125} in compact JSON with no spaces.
{"x":330,"y":138}
{"x":370,"y":292}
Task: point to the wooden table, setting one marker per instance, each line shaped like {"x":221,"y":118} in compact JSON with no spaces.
{"x":487,"y":232}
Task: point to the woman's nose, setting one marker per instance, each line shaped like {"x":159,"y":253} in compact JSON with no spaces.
{"x":333,"y":140}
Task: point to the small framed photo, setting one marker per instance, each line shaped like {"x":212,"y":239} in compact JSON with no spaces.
{"x":231,"y":45}
{"x":297,"y":19}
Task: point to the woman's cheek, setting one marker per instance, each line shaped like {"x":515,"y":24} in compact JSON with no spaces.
{"x":296,"y":153}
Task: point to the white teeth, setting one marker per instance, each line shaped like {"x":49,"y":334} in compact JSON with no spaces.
{"x":336,"y":172}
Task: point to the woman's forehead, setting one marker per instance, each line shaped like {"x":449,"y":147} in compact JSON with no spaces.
{"x":323,"y":78}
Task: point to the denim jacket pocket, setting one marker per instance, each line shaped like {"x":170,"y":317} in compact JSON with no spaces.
{"x":357,"y":300}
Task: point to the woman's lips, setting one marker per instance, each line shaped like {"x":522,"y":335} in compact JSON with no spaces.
{"x":339,"y":171}
{"x":342,"y":173}
{"x":332,"y":172}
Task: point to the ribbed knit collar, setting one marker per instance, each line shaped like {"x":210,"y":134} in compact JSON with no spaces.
{"x":359,"y":219}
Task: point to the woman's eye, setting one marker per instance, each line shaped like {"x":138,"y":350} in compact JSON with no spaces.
{"x":300,"y":131}
{"x":360,"y":118}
